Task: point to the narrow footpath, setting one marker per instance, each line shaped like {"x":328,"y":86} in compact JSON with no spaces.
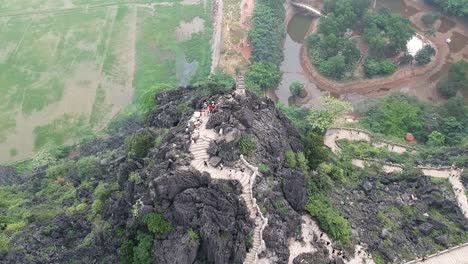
{"x":246,"y":178}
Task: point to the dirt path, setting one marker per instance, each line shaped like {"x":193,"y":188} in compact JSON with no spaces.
{"x":218,"y":13}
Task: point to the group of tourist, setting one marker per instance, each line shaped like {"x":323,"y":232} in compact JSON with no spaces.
{"x":208,"y":107}
{"x":197,"y":122}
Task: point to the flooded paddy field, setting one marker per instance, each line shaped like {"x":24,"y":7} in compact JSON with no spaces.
{"x":67,"y":67}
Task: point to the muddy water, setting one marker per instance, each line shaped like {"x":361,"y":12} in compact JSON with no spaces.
{"x":291,"y":66}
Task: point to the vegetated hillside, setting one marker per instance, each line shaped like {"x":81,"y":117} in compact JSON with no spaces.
{"x":132,"y":196}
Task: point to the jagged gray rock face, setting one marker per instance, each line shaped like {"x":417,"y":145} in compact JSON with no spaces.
{"x":294,"y":188}
{"x":281,"y":192}
{"x":167,"y":185}
{"x":390,"y":221}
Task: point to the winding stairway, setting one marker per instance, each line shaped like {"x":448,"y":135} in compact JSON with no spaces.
{"x":246,"y":179}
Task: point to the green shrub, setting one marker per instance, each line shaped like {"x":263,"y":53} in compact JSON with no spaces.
{"x":378,"y":259}
{"x":142,"y":252}
{"x":314,"y":149}
{"x":193,"y":236}
{"x":147,"y":100}
{"x":290,"y":157}
{"x":4,"y":242}
{"x":262,"y":76}
{"x":329,"y":218}
{"x":126,"y":252}
{"x":88,"y":167}
{"x":138,"y":144}
{"x":296,"y":88}
{"x":302,"y":161}
{"x":102,"y":191}
{"x":59,"y":170}
{"x":157,"y":224}
{"x":436,"y":139}
{"x":96,"y":208}
{"x":183,"y":107}
{"x":264,"y":168}
{"x":424,"y":55}
{"x":247,"y":144}
{"x":135,"y":178}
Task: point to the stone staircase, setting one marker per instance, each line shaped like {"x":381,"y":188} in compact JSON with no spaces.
{"x":246,"y":178}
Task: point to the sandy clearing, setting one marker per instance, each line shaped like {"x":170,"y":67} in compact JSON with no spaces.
{"x":185,"y":29}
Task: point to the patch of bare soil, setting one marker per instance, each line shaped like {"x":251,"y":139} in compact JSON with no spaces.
{"x":236,"y":49}
{"x":185,"y":29}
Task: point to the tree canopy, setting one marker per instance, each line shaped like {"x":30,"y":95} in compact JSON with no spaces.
{"x":386,"y":33}
{"x":267,"y":32}
{"x":456,"y":79}
{"x":262,"y":76}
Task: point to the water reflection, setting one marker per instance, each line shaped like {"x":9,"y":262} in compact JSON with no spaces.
{"x":291,"y":65}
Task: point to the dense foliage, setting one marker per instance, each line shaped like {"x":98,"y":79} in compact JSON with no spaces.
{"x":322,"y":117}
{"x":386,"y":33}
{"x":374,"y":67}
{"x":424,"y":55}
{"x":266,"y":37}
{"x":267,"y":32}
{"x":262,"y":76}
{"x":296,"y":88}
{"x":396,"y":114}
{"x":457,"y":7}
{"x":335,"y":54}
{"x":320,"y":207}
{"x":157,"y":224}
{"x":456,"y":79}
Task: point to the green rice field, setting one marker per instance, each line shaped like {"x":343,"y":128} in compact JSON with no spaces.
{"x":68,"y":66}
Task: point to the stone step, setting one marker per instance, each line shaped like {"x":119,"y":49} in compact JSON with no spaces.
{"x":200,"y":146}
{"x":200,"y":150}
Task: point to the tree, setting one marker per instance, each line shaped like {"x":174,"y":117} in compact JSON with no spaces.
{"x":424,"y":55}
{"x":446,"y":87}
{"x":334,"y":67}
{"x":395,"y":115}
{"x":314,"y":149}
{"x":267,"y":32}
{"x":387,"y":67}
{"x":296,"y":88}
{"x":456,"y":79}
{"x":371,"y":67}
{"x":262,"y":76}
{"x":435,"y":139}
{"x":322,"y":117}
